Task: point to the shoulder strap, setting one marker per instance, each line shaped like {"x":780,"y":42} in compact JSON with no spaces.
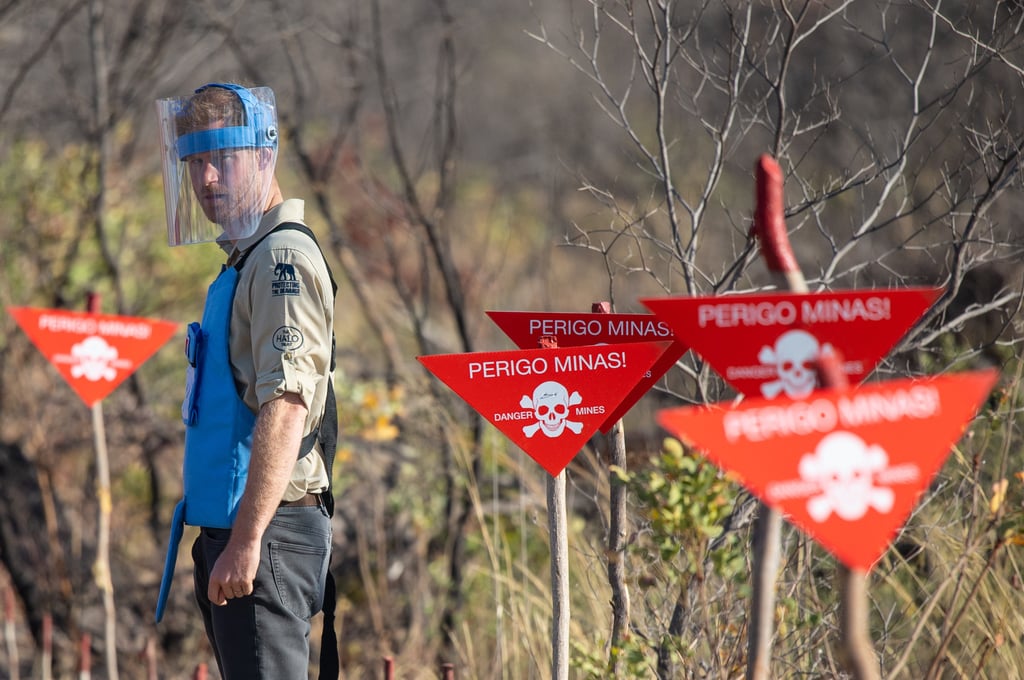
{"x":296,"y":226}
{"x":327,"y":432}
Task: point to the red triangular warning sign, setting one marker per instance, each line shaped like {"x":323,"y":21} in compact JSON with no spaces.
{"x":547,"y":401}
{"x":765,"y":345}
{"x":94,"y":353}
{"x":846,"y":466}
{"x":526,"y":329}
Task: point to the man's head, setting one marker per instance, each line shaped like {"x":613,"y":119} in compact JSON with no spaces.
{"x":220,"y":150}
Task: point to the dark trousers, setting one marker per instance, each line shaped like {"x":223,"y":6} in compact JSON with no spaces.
{"x":265,"y":636}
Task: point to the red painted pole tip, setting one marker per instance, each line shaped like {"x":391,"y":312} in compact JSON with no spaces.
{"x":769,"y":167}
{"x":85,"y":653}
{"x":9,"y":604}
{"x":829,"y":367}
{"x":47,"y":632}
{"x":92,"y":302}
{"x":769,"y":218}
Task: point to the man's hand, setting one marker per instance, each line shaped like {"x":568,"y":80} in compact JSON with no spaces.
{"x":234,"y":572}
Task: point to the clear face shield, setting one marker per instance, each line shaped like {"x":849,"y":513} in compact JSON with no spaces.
{"x":219,"y":151}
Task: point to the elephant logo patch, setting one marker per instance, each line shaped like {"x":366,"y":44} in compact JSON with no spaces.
{"x":284,"y":272}
{"x":286,"y":282}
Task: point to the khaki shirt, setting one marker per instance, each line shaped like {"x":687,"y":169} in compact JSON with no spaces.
{"x":282,"y":322}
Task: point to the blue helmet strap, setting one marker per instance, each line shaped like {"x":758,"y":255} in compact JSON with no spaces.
{"x":257,"y":131}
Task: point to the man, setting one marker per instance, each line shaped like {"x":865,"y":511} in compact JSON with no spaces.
{"x":259,"y":406}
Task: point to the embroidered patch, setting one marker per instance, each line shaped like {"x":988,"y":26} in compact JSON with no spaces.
{"x":286,"y":283}
{"x":287,"y":337}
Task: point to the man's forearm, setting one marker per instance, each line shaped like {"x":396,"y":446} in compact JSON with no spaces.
{"x":275,"y":446}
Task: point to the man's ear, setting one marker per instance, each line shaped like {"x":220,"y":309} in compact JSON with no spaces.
{"x":266,"y":157}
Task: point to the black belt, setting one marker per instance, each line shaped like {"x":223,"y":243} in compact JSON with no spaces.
{"x":306,"y":501}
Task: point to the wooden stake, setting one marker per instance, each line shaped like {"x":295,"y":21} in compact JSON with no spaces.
{"x":617,"y":526}
{"x":557,"y":532}
{"x":101,"y":567}
{"x":151,"y":660}
{"x":10,"y":634}
{"x":858,"y":654}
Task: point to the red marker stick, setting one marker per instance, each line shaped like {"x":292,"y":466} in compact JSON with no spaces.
{"x":770,"y":230}
{"x":770,"y":227}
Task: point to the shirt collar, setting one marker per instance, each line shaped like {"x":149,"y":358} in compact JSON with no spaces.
{"x":290,"y":210}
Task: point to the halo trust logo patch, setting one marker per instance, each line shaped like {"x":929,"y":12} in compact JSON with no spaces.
{"x":287,"y":338}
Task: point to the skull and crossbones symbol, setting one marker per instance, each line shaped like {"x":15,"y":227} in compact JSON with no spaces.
{"x":550,"y":405}
{"x":793,"y":357}
{"x":843,"y":466}
{"x":93,"y":357}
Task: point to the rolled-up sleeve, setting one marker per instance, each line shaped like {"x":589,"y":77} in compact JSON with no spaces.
{"x":289,"y":311}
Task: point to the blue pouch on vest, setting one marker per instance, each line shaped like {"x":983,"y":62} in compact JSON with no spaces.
{"x":193,"y":347}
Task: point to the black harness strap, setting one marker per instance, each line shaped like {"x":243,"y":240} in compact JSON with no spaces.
{"x":327,"y":432}
{"x":327,"y":435}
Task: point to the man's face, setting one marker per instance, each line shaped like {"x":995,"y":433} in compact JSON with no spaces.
{"x":229,"y":184}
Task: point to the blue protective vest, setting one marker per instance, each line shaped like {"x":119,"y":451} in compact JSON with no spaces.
{"x":218,"y":424}
{"x":218,"y":428}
